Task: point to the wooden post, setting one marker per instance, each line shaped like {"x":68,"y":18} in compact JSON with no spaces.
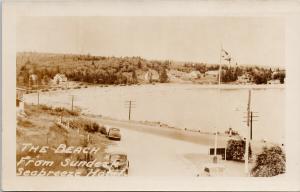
{"x":251,"y":122}
{"x":129,"y":112}
{"x":247,"y":134}
{"x":38,"y":98}
{"x":72,"y":101}
{"x":219,"y":86}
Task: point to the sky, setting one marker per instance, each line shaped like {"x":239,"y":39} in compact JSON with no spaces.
{"x":249,"y":40}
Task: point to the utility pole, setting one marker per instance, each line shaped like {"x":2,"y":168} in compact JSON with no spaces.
{"x":249,"y":131}
{"x":129,"y":104}
{"x":129,"y":112}
{"x":38,"y":98}
{"x":72,"y":102}
{"x":215,"y":159}
{"x":251,"y":124}
{"x":247,"y":134}
{"x":252,"y":119}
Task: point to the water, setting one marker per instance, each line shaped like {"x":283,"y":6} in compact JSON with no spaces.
{"x":184,"y":106}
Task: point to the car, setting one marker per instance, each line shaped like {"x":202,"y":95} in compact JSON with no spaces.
{"x":117,"y":164}
{"x":114,"y":134}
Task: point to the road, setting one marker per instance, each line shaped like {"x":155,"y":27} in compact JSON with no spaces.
{"x":159,"y":151}
{"x":152,"y":155}
{"x":156,"y":151}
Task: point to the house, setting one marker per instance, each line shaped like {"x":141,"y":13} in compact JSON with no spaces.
{"x":194,"y":74}
{"x":33,"y":77}
{"x":243,"y":79}
{"x":33,"y":80}
{"x":20,"y":100}
{"x":214,"y":73}
{"x":59,"y":79}
{"x":151,"y":75}
{"x":274,"y":81}
{"x":274,"y":74}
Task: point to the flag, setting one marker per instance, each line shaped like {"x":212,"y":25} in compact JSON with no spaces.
{"x":225,"y":52}
{"x":225,"y":55}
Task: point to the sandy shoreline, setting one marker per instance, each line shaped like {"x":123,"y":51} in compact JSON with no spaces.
{"x":78,"y":85}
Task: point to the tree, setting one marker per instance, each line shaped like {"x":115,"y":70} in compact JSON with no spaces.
{"x":139,"y":64}
{"x":134,"y":77}
{"x":270,"y":162}
{"x":236,"y":150}
{"x":57,"y":70}
{"x":163,"y":77}
{"x":229,"y":75}
{"x":281,"y":78}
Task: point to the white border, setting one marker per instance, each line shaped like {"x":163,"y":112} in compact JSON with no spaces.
{"x":14,"y":9}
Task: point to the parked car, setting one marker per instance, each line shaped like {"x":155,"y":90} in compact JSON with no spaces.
{"x":114,"y":134}
{"x":117,"y":163}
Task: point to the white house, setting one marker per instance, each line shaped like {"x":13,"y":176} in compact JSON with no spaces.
{"x":59,"y":78}
{"x":274,"y":81}
{"x":33,"y":80}
{"x":194,"y":74}
{"x":33,"y":77}
{"x":151,"y":75}
{"x":20,"y":100}
{"x":243,"y":79}
{"x":213,"y":73}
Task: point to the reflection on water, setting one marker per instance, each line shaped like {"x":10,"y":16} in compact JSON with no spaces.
{"x":184,"y":106}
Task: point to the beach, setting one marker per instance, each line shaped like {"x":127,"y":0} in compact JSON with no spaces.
{"x":183,"y":106}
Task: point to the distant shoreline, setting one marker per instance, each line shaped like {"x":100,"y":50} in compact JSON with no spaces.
{"x":80,"y":85}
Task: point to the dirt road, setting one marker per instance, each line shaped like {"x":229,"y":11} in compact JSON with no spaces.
{"x":159,"y":151}
{"x":151,"y":155}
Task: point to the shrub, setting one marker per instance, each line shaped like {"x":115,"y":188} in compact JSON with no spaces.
{"x":64,"y":111}
{"x":45,"y":107}
{"x":91,"y":127}
{"x":25,"y":123}
{"x":270,"y":162}
{"x":103,"y":130}
{"x":236,"y":150}
{"x":85,"y":124}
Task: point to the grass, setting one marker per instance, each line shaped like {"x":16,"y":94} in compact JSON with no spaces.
{"x":24,"y":122}
{"x":39,"y":128}
{"x":57,"y":111}
{"x":85,"y":124}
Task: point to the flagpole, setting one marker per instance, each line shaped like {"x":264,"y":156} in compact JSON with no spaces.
{"x":219,"y":92}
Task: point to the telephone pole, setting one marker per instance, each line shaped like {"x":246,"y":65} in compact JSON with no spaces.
{"x":247,"y":134}
{"x":129,"y":104}
{"x":251,"y":123}
{"x":248,"y":131}
{"x":252,"y":119}
{"x":72,"y":96}
{"x":38,"y":98}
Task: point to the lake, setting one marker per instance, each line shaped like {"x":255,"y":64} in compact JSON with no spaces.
{"x":189,"y":106}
